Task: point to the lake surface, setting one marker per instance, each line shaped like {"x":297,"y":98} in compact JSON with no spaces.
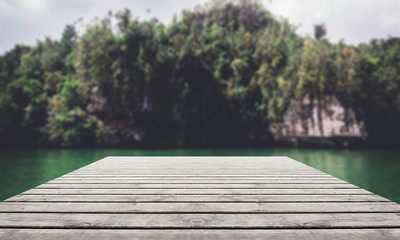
{"x":376,"y":171}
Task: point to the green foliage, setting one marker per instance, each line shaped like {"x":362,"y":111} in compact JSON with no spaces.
{"x":70,"y":126}
{"x":219,"y":75}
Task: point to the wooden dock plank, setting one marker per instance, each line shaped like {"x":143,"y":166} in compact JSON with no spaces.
{"x":198,"y":186}
{"x":200,"y":221}
{"x":220,"y":191}
{"x":200,"y":197}
{"x":194,"y":177}
{"x":197,"y":198}
{"x":314,"y":234}
{"x":72,"y":175}
{"x":231,"y":207}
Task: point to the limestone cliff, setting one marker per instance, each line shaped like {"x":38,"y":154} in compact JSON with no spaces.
{"x":323,"y":117}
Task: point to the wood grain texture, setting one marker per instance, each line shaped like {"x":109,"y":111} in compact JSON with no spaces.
{"x":200,"y":221}
{"x":221,"y":191}
{"x":198,"y":198}
{"x":227,"y":207}
{"x":149,"y":234}
{"x":197,"y":186}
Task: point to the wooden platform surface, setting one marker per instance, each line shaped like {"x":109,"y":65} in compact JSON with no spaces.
{"x":198,"y":198}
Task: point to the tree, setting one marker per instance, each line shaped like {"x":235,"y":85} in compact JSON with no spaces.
{"x":223,"y":74}
{"x":319,"y":31}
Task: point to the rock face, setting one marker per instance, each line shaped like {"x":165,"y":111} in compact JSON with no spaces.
{"x":323,"y":117}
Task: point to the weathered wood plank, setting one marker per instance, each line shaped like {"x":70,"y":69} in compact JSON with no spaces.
{"x":313,"y":234}
{"x":200,"y":207}
{"x":202,"y":221}
{"x":198,"y":186}
{"x":149,"y":196}
{"x":195,"y":172}
{"x":194,"y":178}
{"x":219,"y":177}
{"x":107,"y":181}
{"x":179,"y":176}
{"x":197,"y":191}
{"x":71,"y":175}
{"x":198,"y":198}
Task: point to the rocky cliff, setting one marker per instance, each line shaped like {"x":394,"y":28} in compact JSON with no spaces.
{"x":322,"y":117}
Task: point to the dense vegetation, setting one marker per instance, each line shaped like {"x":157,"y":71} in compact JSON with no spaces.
{"x":219,"y":75}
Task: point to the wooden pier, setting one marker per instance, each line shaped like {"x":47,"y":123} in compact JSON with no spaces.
{"x":198,"y":198}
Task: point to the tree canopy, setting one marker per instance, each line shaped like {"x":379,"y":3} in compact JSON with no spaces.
{"x":219,"y":75}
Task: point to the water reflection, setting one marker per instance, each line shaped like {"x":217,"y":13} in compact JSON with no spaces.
{"x":376,"y":171}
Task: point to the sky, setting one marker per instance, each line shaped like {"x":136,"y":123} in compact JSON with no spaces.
{"x":354,"y":21}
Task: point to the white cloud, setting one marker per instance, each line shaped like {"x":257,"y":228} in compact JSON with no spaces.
{"x":5,"y":8}
{"x":34,"y":6}
{"x":353,"y":20}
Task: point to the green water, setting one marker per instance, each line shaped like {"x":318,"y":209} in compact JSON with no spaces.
{"x":376,"y":171}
